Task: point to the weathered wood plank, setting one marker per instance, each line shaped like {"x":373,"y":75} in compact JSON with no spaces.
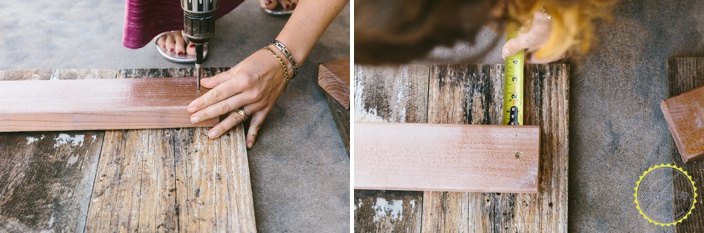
{"x":685,"y":74}
{"x":547,"y":105}
{"x":387,"y":211}
{"x":45,"y":180}
{"x":334,"y":79}
{"x":46,"y":177}
{"x":172,"y":179}
{"x":95,"y":104}
{"x":133,"y":176}
{"x":214,"y":193}
{"x":389,"y":94}
{"x":472,"y":94}
{"x":446,"y":157}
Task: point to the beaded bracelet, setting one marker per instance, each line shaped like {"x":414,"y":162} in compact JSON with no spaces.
{"x":287,"y":54}
{"x":281,"y":61}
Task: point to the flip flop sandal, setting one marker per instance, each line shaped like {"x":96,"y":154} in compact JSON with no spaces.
{"x":279,"y":10}
{"x":184,"y":59}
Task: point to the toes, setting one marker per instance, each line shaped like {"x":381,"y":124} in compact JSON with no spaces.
{"x":286,"y":4}
{"x":191,"y":49}
{"x":180,"y":45}
{"x":268,"y":4}
{"x":170,"y":43}
{"x":161,"y":42}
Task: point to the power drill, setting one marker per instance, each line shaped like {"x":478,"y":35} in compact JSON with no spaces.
{"x":199,"y":26}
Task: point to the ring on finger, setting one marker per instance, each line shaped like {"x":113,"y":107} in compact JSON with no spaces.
{"x":242,"y":113}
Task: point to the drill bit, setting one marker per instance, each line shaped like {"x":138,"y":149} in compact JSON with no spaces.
{"x":199,"y":61}
{"x":197,"y":77}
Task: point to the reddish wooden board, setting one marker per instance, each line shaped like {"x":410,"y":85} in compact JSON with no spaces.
{"x":97,"y":104}
{"x":447,"y":157}
{"x":334,"y":78}
{"x":685,"y":117}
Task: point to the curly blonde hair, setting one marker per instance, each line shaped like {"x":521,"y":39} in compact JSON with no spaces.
{"x":572,"y":22}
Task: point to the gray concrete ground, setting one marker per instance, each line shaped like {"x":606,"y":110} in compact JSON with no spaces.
{"x":299,"y":167}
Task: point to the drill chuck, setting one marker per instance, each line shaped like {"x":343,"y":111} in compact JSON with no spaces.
{"x":199,"y":19}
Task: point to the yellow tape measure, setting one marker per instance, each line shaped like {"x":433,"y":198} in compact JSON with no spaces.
{"x":513,"y":82}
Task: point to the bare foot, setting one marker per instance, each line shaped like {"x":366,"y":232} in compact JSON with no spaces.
{"x":173,"y":43}
{"x":272,"y":4}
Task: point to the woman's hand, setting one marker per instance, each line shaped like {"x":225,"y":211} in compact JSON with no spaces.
{"x":532,"y":40}
{"x":254,"y":85}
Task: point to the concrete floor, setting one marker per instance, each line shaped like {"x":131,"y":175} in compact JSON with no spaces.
{"x":299,"y":167}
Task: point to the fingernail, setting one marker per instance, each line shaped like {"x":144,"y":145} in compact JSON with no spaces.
{"x":192,"y":108}
{"x":250,"y":144}
{"x":181,"y":53}
{"x":212,"y":134}
{"x":268,"y":2}
{"x":195,"y":119}
{"x":171,"y":50}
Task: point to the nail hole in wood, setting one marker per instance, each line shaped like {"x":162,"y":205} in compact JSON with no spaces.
{"x":518,"y":155}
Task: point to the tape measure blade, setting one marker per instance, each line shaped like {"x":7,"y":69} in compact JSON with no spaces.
{"x":513,"y":84}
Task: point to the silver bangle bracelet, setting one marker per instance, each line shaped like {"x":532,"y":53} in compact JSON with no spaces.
{"x":287,"y":54}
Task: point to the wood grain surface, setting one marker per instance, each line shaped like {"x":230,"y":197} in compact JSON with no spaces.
{"x":334,"y":79}
{"x":161,"y":180}
{"x":685,"y":74}
{"x":464,"y":94}
{"x":377,"y":99}
{"x":446,"y":157}
{"x":95,"y":104}
{"x":685,"y":118}
{"x":172,"y":180}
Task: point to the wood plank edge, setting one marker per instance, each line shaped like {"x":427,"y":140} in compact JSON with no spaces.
{"x":686,"y":156}
{"x":326,"y":75}
{"x":4,"y":129}
{"x":536,"y":189}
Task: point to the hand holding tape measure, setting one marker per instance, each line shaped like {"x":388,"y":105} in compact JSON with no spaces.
{"x":518,"y":42}
{"x":513,"y":83}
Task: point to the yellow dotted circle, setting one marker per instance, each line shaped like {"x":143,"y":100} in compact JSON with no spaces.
{"x":676,"y":168}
